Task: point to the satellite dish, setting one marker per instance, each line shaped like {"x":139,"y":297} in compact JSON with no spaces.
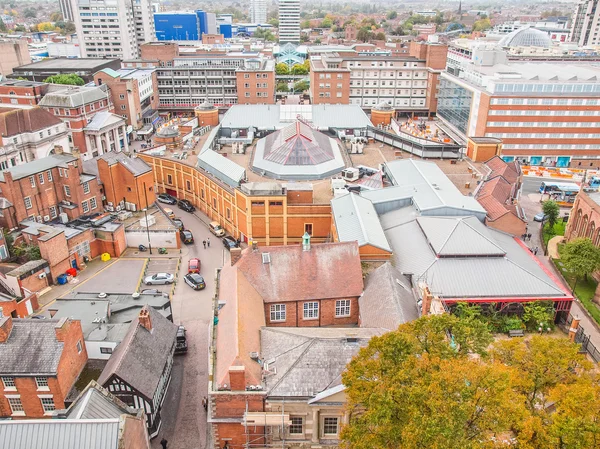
{"x":129,"y":129}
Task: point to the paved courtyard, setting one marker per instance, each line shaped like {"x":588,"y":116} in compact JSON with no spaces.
{"x":122,"y":276}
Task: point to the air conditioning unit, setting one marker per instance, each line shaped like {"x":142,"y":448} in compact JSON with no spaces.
{"x":46,"y":217}
{"x":42,"y":275}
{"x":109,"y":208}
{"x":118,"y":208}
{"x":103,"y":197}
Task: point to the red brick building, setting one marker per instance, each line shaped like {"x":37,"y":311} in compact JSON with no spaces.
{"x":584,"y":220}
{"x":22,"y":93}
{"x":43,"y":189}
{"x":35,"y":386}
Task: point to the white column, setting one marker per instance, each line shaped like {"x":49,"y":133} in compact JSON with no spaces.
{"x":98,"y":144}
{"x":107,"y":141}
{"x":315,"y":426}
{"x":125,"y":138}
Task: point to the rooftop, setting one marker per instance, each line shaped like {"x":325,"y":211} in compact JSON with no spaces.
{"x":68,"y":64}
{"x":104,"y":119}
{"x":39,"y":165}
{"x":74,"y":96}
{"x":15,"y":121}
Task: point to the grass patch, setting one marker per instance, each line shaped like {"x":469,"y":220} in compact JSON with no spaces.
{"x":584,"y":290}
{"x":548,"y":232}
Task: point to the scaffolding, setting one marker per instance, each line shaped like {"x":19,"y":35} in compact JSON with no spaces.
{"x":265,"y":429}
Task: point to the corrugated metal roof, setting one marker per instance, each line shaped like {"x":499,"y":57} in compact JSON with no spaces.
{"x":59,"y":434}
{"x":74,"y":96}
{"x":356,"y":220}
{"x":224,"y":169}
{"x":339,"y":116}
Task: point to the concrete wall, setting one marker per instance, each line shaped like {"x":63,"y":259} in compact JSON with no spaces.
{"x":166,"y":239}
{"x":93,"y":349}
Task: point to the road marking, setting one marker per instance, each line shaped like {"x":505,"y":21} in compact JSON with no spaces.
{"x":139,"y":283}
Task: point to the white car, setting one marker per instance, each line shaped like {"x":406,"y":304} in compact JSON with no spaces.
{"x":159,"y":278}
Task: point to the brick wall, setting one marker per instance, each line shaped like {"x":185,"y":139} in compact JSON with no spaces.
{"x":20,"y":308}
{"x":33,"y":283}
{"x":121,"y":185}
{"x":72,"y":361}
{"x":161,"y":52}
{"x":295,"y":314}
{"x":233,"y":405}
{"x":23,"y":95}
{"x":249,"y":87}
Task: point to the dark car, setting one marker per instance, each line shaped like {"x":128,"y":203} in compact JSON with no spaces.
{"x":178,"y":223}
{"x":230,"y":242}
{"x":181,"y":345}
{"x":186,"y":205}
{"x":166,"y":198}
{"x":195,"y":281}
{"x":186,"y":237}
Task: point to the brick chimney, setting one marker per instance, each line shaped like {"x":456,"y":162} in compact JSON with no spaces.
{"x":144,"y":319}
{"x":427,"y":298}
{"x":6,"y":325}
{"x":236,"y":254}
{"x":237,"y":378}
{"x":61,"y":328}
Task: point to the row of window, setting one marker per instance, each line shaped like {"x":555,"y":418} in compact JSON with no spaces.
{"x":404,"y":92}
{"x":258,"y":75}
{"x":330,"y":426}
{"x":547,"y":101}
{"x":374,"y":83}
{"x":310,"y":310}
{"x":10,"y":385}
{"x":544,"y":135}
{"x":537,"y":124}
{"x":258,"y":85}
{"x":545,"y":112}
{"x":16,"y":406}
{"x":384,"y":64}
{"x":404,"y":75}
{"x":511,"y":146}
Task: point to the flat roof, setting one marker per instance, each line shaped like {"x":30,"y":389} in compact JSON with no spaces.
{"x":68,"y":63}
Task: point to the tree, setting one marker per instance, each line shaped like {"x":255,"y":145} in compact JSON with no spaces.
{"x":392,"y":15}
{"x":30,"y":13}
{"x":551,"y":211}
{"x":326,"y":23}
{"x":45,"y":26}
{"x":282,"y":87}
{"x":538,"y":313}
{"x":305,"y":24}
{"x":263,"y":33}
{"x":20,"y":28}
{"x":274,"y":22}
{"x":298,"y":69}
{"x":380,"y":37}
{"x":301,"y":86}
{"x":581,"y":257}
{"x":364,"y":35}
{"x":27,"y":252}
{"x":281,"y":68}
{"x":2,"y":25}
{"x":69,"y":78}
{"x":482,"y":25}
{"x":56,"y":17}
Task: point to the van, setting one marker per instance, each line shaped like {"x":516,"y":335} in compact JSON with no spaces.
{"x":169,"y":213}
{"x":216,"y":229}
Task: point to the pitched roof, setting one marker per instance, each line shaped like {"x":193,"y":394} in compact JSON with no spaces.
{"x":298,"y":144}
{"x":142,"y":355}
{"x":223,"y":168}
{"x":74,"y":96}
{"x":31,"y":348}
{"x":134,"y":165}
{"x":388,"y":300}
{"x":499,"y":167}
{"x":39,"y":165}
{"x":103,"y":119}
{"x":18,"y":121}
{"x":356,"y":220}
{"x":95,"y":402}
{"x":327,"y":270}
{"x":495,"y":195}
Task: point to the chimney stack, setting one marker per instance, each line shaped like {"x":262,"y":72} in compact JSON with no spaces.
{"x":144,"y":319}
{"x":237,"y":378}
{"x":6,"y":325}
{"x":236,"y":254}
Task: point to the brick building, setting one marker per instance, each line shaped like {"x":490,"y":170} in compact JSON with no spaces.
{"x":14,"y":53}
{"x":45,"y":188}
{"x":35,"y":386}
{"x":584,"y":220}
{"x":255,"y":82}
{"x":29,"y":135}
{"x":82,"y":67}
{"x":18,"y":93}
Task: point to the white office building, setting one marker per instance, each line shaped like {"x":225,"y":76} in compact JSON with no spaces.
{"x":258,"y":11}
{"x":586,"y":23}
{"x":66,"y":9}
{"x":113,"y":28}
{"x":289,"y":21}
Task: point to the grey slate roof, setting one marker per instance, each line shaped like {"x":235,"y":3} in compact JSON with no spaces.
{"x":222,"y":168}
{"x":309,"y":360}
{"x":103,"y":119}
{"x":356,"y":219}
{"x":59,"y":434}
{"x":141,"y":357}
{"x":39,"y":165}
{"x":95,"y":402}
{"x":388,"y":300}
{"x":74,"y":96}
{"x":134,"y":165}
{"x":31,"y":348}
{"x":27,"y":267}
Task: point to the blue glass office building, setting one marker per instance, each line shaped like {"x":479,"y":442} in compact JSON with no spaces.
{"x":177,"y":26}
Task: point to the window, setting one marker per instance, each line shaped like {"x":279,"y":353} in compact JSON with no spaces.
{"x":60,"y":172}
{"x":277,"y":312}
{"x":86,"y":187}
{"x":42,"y":383}
{"x":41,"y":178}
{"x":308,"y":228}
{"x":49,"y":175}
{"x":169,"y":179}
{"x":48,"y":404}
{"x":16,"y":406}
{"x":330,"y":426}
{"x":79,"y":347}
{"x":215,"y":203}
{"x":247,"y":95}
{"x":93,"y":203}
{"x":85,"y":206}
{"x":246,"y":75}
{"x":342,"y":308}
{"x":188,"y":184}
{"x":296,"y":427}
{"x":105,"y":350}
{"x":123,"y":107}
{"x":121,"y":97}
{"x":32,"y":181}
{"x":311,"y":310}
{"x":9,"y":383}
{"x":67,"y":191}
{"x":53,"y":212}
{"x":41,"y":135}
{"x":27,"y":202}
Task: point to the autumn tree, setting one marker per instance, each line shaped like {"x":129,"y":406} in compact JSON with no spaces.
{"x":281,"y":68}
{"x":66,"y":78}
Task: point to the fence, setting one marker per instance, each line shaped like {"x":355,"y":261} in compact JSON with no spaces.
{"x":416,"y":146}
{"x":582,"y":338}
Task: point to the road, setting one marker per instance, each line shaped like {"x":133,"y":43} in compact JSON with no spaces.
{"x":184,"y":419}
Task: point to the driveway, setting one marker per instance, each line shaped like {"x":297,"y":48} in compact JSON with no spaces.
{"x":122,"y":276}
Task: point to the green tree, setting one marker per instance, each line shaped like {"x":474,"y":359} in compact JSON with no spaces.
{"x":282,"y":87}
{"x":27,"y":252}
{"x":274,"y":22}
{"x":482,"y":25}
{"x":2,"y":25}
{"x":56,"y":17}
{"x":298,"y":69}
{"x":264,"y":33}
{"x":281,"y":68}
{"x":70,"y":79}
{"x":364,"y":35}
{"x":30,"y":13}
{"x":538,"y":313}
{"x":305,"y":24}
{"x":301,"y":86}
{"x":20,"y":28}
{"x":551,"y":211}
{"x":380,"y":36}
{"x":392,"y":15}
{"x":306,"y":65}
{"x":581,"y":257}
{"x":326,"y":23}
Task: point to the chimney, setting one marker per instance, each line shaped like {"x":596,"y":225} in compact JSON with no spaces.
{"x":60,"y":329}
{"x":144,"y":319}
{"x":236,"y":254}
{"x":6,"y":324}
{"x":306,"y":242}
{"x":237,"y":378}
{"x":427,"y":298}
{"x":573,"y":328}
{"x":254,"y":246}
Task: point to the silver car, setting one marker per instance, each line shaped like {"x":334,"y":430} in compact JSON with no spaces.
{"x":159,"y":278}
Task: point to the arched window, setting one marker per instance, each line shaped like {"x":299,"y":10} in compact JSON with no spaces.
{"x":583,"y":228}
{"x":12,"y":93}
{"x":576,"y":221}
{"x":596,"y":238}
{"x":591,"y":230}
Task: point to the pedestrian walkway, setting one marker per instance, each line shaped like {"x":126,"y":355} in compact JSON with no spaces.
{"x":553,"y":246}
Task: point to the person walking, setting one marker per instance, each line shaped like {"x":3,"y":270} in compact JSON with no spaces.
{"x":535,"y":251}
{"x":205,"y":403}
{"x":529,"y":236}
{"x":208,"y":242}
{"x":204,"y":243}
{"x":164,"y":443}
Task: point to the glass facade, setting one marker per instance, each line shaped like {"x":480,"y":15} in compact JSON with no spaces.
{"x":454,"y":104}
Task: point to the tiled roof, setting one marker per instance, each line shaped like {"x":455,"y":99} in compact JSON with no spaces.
{"x":495,"y":195}
{"x":18,"y":121}
{"x":142,"y":355}
{"x":327,"y":270}
{"x":509,"y":170}
{"x":95,"y":402}
{"x":39,"y":165}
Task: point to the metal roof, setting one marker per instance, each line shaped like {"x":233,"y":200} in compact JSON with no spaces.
{"x":39,"y":165}
{"x":356,"y":220}
{"x":75,"y":96}
{"x":59,"y":434}
{"x":96,"y":403}
{"x":103,"y":119}
{"x":224,"y":169}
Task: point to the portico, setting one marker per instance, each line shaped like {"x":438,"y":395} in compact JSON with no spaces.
{"x":105,"y":132}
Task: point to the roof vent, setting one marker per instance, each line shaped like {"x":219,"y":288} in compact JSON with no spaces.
{"x":135,"y":295}
{"x":254,"y":355}
{"x":351,"y":340}
{"x":102,"y":295}
{"x":266,"y":258}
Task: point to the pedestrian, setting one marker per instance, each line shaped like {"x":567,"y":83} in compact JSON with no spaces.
{"x":204,"y":243}
{"x":205,"y":403}
{"x":523,"y":236}
{"x":164,"y":443}
{"x":208,"y":242}
{"x":529,"y":236}
{"x":535,"y":251}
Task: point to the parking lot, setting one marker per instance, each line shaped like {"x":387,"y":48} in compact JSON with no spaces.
{"x":154,"y":266}
{"x":122,"y":276}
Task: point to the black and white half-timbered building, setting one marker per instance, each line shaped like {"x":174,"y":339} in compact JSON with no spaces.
{"x":139,"y":370}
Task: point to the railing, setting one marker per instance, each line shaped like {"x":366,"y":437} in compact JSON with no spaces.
{"x":581,"y":337}
{"x":435,"y":150}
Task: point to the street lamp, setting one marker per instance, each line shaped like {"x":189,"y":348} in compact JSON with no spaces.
{"x":148,"y":229}
{"x":541,"y":328}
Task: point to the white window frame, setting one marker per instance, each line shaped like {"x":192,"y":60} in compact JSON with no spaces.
{"x":32,"y":181}
{"x":48,"y":409}
{"x":86,"y":187}
{"x":20,"y":405}
{"x":28,"y":203}
{"x":67,"y":191}
{"x":60,"y":172}
{"x":41,"y":178}
{"x":79,"y":347}
{"x":343,"y":308}
{"x":53,"y":212}
{"x":93,"y":203}
{"x":42,"y":383}
{"x":85,"y":207}
{"x":337,"y":425}
{"x":49,"y":174}
{"x":310,"y":310}
{"x":277,"y":310}
{"x":9,"y":383}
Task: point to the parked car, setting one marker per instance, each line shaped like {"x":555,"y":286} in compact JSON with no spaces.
{"x":181,"y":345}
{"x":186,"y":205}
{"x":153,"y":291}
{"x":178,"y":223}
{"x":194,"y":265}
{"x":166,"y":198}
{"x":216,"y":229}
{"x":169,"y":213}
{"x":159,"y":279}
{"x":540,"y":217}
{"x":230,"y":242}
{"x":195,"y":281}
{"x":186,"y":237}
